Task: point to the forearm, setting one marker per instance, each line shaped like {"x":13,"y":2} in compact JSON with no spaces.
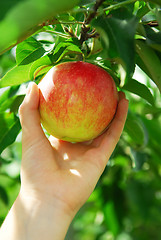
{"x":34,"y":220}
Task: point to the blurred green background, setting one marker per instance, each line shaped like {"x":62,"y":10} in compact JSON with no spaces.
{"x":126,"y":203}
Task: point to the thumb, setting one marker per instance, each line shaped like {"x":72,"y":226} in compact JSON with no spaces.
{"x":30,"y":117}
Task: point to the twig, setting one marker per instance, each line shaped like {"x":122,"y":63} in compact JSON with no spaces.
{"x":118,"y":5}
{"x":57,"y":33}
{"x":85,"y":26}
{"x":94,"y":12}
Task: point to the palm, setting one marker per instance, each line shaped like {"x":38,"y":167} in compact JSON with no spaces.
{"x":68,"y":173}
{"x":62,"y":171}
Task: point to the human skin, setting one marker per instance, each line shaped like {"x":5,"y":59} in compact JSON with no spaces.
{"x":57,"y":177}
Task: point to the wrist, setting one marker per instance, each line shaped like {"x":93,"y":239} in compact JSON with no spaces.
{"x":47,"y":201}
{"x":45,"y":217}
{"x":31,"y":218}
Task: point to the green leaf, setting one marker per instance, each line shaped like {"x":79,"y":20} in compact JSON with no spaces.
{"x":5,"y":161}
{"x":118,"y":39}
{"x":42,"y":62}
{"x":139,"y":158}
{"x":72,"y":49}
{"x":23,"y":73}
{"x":16,"y":76}
{"x":154,"y":129}
{"x":65,"y":17}
{"x":17,"y":100}
{"x":139,"y":89}
{"x":9,"y":92}
{"x":4,"y":195}
{"x":85,"y":2}
{"x":135,"y":130}
{"x":111,"y":217}
{"x":40,"y":72}
{"x":12,"y":104}
{"x":151,"y":61}
{"x":28,"y":51}
{"x":142,"y":11}
{"x":5,"y":7}
{"x":9,"y":131}
{"x":158,"y":16}
{"x":26,"y":17}
{"x":64,"y":48}
{"x":153,"y":110}
{"x":153,"y":38}
{"x":58,"y":51}
{"x":142,"y":65}
{"x":158,"y":2}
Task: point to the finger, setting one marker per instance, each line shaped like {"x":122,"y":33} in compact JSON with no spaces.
{"x":97,"y":141}
{"x":29,"y":115}
{"x":121,"y":95}
{"x":112,"y":136}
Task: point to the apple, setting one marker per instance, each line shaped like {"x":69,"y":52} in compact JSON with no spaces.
{"x":78,"y":101}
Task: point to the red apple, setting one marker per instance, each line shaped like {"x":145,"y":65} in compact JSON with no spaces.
{"x":78,"y":100}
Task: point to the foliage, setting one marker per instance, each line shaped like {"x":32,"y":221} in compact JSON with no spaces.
{"x":124,"y":38}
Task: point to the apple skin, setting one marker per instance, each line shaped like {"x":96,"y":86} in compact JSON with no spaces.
{"x":78,"y":100}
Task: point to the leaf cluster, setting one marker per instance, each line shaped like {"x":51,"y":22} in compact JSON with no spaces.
{"x":122,"y":37}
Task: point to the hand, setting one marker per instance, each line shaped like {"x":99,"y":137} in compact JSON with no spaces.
{"x":57,"y":177}
{"x":63,"y":173}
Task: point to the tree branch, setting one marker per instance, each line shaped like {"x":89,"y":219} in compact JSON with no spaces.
{"x":85,"y":26}
{"x":94,"y":12}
